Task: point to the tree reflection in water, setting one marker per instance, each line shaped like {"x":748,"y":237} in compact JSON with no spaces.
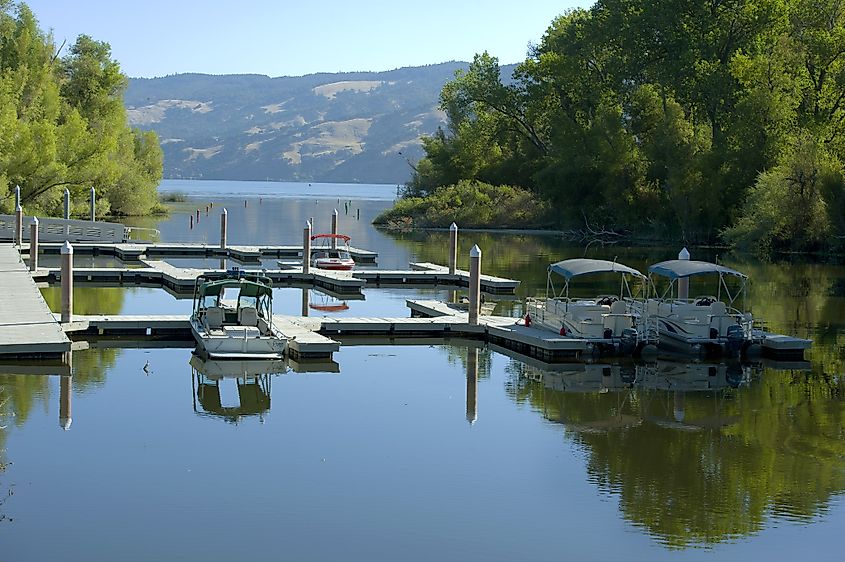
{"x":699,"y":453}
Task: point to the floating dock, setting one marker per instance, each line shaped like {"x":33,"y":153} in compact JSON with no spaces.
{"x":27,"y":326}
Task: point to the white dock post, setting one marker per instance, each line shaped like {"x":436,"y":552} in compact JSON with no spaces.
{"x":19,"y":226}
{"x":224,"y":219}
{"x":453,"y":249}
{"x":683,"y":282}
{"x":93,"y":204}
{"x":67,"y":203}
{"x":472,"y":384}
{"x":67,"y":282}
{"x":334,"y":229}
{"x":33,"y":244}
{"x":306,"y":248}
{"x":474,"y":283}
{"x":17,"y":196}
{"x":65,"y":397}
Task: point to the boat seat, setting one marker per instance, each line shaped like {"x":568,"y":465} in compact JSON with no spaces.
{"x":214,"y":318}
{"x":619,"y":307}
{"x":718,"y":308}
{"x":248,"y":316}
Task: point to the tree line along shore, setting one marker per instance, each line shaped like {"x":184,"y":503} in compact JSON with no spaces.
{"x":711,"y":122}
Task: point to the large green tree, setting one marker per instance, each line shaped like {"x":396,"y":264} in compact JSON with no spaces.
{"x":661,"y":117}
{"x":63,"y":124}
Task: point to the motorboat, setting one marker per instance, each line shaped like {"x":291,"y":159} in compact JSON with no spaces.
{"x":610,"y":322}
{"x":327,"y":254}
{"x":707,"y":324}
{"x":233,"y":317}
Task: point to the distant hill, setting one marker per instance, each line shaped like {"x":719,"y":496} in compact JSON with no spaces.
{"x":345,"y":127}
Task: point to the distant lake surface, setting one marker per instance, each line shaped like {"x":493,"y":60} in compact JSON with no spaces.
{"x":426,"y":450}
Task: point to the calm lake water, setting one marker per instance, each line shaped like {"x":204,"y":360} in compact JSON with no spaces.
{"x":437,"y":451}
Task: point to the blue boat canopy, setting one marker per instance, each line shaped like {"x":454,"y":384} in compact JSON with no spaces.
{"x":678,"y":269}
{"x":573,"y":268}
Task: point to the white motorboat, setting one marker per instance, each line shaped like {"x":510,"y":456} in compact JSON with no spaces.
{"x":610,"y":322}
{"x":328,"y":255}
{"x":233,"y":317}
{"x":704,"y":324}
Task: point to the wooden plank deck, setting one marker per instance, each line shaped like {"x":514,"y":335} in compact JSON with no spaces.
{"x":27,"y":326}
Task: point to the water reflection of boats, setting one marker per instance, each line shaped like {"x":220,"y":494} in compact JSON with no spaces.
{"x":659,"y":375}
{"x":213,"y":380}
{"x":327,"y":303}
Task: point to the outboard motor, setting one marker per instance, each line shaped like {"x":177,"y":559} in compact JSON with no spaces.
{"x":628,"y":340}
{"x":736,"y":338}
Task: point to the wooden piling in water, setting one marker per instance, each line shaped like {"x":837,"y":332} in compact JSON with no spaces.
{"x":224,"y":219}
{"x":19,"y":225}
{"x":334,"y":228}
{"x":33,"y":244}
{"x":67,"y":282}
{"x":93,"y":204}
{"x":453,"y":248}
{"x":683,"y":283}
{"x":67,"y":204}
{"x":474,"y":283}
{"x":306,"y":248}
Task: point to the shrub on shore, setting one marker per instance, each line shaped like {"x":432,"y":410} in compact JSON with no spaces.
{"x":471,"y":204}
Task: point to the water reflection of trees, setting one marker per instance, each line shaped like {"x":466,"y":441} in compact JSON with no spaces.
{"x":704,"y":467}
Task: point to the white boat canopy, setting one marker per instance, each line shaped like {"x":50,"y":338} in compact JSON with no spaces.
{"x":582,"y":266}
{"x":678,"y":269}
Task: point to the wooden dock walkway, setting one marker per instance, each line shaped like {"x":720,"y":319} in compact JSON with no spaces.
{"x":129,"y":251}
{"x":27,"y":326}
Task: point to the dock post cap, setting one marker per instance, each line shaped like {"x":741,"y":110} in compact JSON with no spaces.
{"x":683,"y":254}
{"x":475,"y":252}
{"x":67,"y":248}
{"x":67,"y":191}
{"x":65,"y":423}
{"x":18,"y":208}
{"x":453,"y":227}
{"x":307,"y":224}
{"x":335,"y":212}
{"x":34,"y":221}
{"x":225,"y":212}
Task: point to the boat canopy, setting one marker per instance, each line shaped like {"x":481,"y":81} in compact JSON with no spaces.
{"x":247,"y":288}
{"x":678,"y":269}
{"x":343,"y":237}
{"x":582,"y":266}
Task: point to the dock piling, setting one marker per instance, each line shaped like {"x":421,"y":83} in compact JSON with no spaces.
{"x":19,"y":226}
{"x":683,"y":283}
{"x":93,"y":204}
{"x":17,"y":196}
{"x":453,"y":249}
{"x":67,"y":282}
{"x":67,"y":204}
{"x":334,"y":229}
{"x":474,"y":283}
{"x":224,"y":219}
{"x":306,"y":248}
{"x":33,"y":244}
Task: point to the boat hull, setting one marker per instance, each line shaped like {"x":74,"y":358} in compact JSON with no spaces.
{"x":236,"y":342}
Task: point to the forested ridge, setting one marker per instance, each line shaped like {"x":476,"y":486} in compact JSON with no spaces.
{"x":701,"y":120}
{"x":63,"y":124}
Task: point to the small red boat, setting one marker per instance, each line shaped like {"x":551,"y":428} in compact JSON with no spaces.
{"x":328,"y":255}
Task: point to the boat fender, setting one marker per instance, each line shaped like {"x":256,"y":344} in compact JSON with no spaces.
{"x":563,"y":330}
{"x":527,"y":319}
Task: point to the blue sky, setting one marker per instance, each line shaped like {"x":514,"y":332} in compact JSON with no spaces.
{"x":284,"y":38}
